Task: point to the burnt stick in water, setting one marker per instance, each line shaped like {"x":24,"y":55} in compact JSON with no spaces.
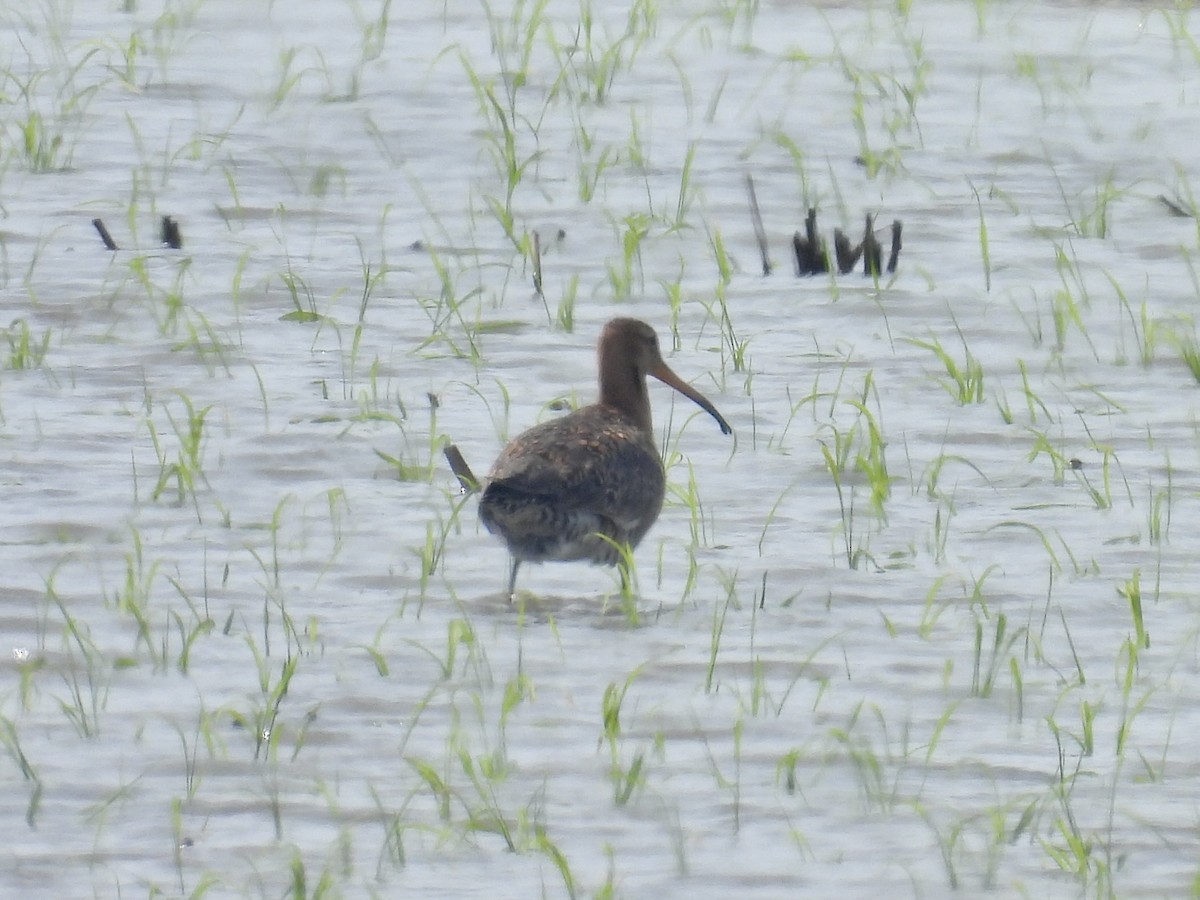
{"x":894,"y":257}
{"x":872,"y":250}
{"x":109,"y":243}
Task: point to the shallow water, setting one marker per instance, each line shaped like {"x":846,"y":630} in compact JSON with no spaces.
{"x":257,"y":660}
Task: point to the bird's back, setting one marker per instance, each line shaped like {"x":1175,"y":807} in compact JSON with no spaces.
{"x":560,"y":484}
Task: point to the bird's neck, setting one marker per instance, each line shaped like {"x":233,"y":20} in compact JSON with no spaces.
{"x":623,"y":388}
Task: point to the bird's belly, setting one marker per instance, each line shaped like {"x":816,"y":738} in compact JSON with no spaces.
{"x":538,"y":530}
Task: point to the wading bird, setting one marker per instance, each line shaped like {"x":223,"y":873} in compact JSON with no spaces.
{"x":588,"y":485}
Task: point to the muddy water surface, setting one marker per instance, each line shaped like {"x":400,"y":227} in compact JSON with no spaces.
{"x":927,"y":621}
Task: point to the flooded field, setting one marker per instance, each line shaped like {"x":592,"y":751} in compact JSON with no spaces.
{"x":927,"y":622}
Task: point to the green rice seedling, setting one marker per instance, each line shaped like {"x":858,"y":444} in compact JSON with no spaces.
{"x":964,"y":835}
{"x":514,"y":39}
{"x":189,"y":631}
{"x":304,"y":300}
{"x":186,"y":470}
{"x":932,"y":477}
{"x":446,"y":315}
{"x":1161,"y":503}
{"x":25,"y":350}
{"x":1055,"y":562}
{"x":965,"y":379}
{"x":29,"y":282}
{"x":1101,"y":494}
{"x":12,"y":746}
{"x":299,"y":888}
{"x":370,"y":282}
{"x":45,"y":141}
{"x":438,"y":786}
{"x":262,"y":719}
{"x":674,"y":296}
{"x":128,"y":50}
{"x":990,"y":660}
{"x":770,"y":518}
{"x":734,"y":349}
{"x":683,"y":205}
{"x":1066,"y":306}
{"x":1090,"y":218}
{"x":862,"y":445}
{"x":422,"y":465}
{"x":459,"y":634}
{"x":11,"y":742}
{"x":1058,"y":460}
{"x":432,"y":553}
{"x":625,"y":780}
{"x":191,"y":750}
{"x":627,"y":273}
{"x":1146,"y":330}
{"x":1189,"y":351}
{"x":942,"y":517}
{"x":723,"y":782}
{"x":500,"y":420}
{"x":866,"y":86}
{"x":510,"y":160}
{"x":985,"y":253}
{"x":273,"y":593}
{"x":931,"y":610}
{"x":724,"y":265}
{"x":870,"y":459}
{"x":1003,"y":407}
{"x":635,"y":150}
{"x":591,"y":171}
{"x":947,"y":842}
{"x":1179,"y":29}
{"x":548,"y":848}
{"x":209,"y":348}
{"x":785,"y":769}
{"x":133,"y":599}
{"x":483,"y":771}
{"x":720,"y":611}
{"x":689,"y":496}
{"x":1032,"y":401}
{"x":869,"y":766}
{"x":87,"y":690}
{"x":780,"y":138}
{"x":394,"y":828}
{"x":835,"y":457}
{"x":1033,"y":321}
{"x":739,"y":12}
{"x":372,"y":41}
{"x":1132,"y":592}
{"x":590,"y":61}
{"x":565,"y":314}
{"x":290,"y":75}
{"x":1072,"y":850}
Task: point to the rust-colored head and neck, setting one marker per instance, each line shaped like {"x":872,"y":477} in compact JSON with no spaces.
{"x":629,"y":352}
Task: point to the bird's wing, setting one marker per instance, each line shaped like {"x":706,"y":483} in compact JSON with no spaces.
{"x":602,"y":467}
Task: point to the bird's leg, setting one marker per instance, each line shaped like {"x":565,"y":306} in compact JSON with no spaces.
{"x":512,"y":579}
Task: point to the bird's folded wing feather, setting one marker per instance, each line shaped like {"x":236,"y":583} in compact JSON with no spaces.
{"x":600,"y":469}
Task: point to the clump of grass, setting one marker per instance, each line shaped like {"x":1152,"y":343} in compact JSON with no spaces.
{"x":964,"y":380}
{"x":626,"y":779}
{"x":185,"y":468}
{"x":25,"y":349}
{"x":861,"y":448}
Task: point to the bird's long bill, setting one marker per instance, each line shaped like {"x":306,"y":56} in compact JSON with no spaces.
{"x":664,"y":374}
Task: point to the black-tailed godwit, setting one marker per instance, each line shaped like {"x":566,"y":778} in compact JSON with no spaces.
{"x":588,"y":484}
